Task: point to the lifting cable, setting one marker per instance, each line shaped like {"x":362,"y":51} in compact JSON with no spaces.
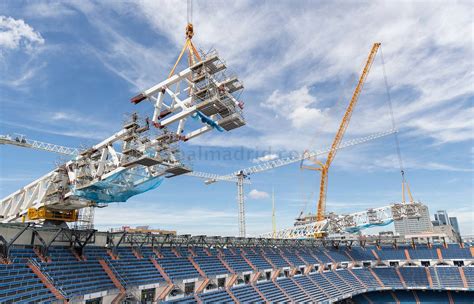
{"x":189,"y":8}
{"x":394,"y":126}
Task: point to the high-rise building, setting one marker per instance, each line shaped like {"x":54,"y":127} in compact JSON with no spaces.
{"x":454,"y":222}
{"x":442,"y":217}
{"x":409,"y":226}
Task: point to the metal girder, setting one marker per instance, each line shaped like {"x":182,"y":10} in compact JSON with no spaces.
{"x":22,"y":141}
{"x":351,"y":223}
{"x":213,"y":178}
{"x":280,"y":162}
{"x":132,"y":161}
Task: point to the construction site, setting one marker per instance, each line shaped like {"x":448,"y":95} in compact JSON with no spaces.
{"x":52,"y":252}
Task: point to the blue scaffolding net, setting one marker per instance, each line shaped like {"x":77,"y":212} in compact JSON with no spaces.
{"x":118,"y":187}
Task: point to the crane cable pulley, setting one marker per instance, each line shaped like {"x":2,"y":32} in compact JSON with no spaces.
{"x":193,"y":54}
{"x":397,"y":142}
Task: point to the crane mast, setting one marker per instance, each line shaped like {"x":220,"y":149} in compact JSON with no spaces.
{"x":324,"y":167}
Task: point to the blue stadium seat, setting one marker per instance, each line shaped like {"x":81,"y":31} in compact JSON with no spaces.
{"x":293,"y":290}
{"x":449,"y":277}
{"x":343,"y":287}
{"x":455,"y":252}
{"x":220,"y":296}
{"x":178,"y":268}
{"x":338,"y":255}
{"x":389,"y":277}
{"x":237,"y":263}
{"x":360,"y":254}
{"x":312,"y":289}
{"x":365,"y":276}
{"x":422,"y":253}
{"x":469,"y":274}
{"x":211,"y":265}
{"x":329,"y":289}
{"x":75,"y":277}
{"x":271,"y":292}
{"x":135,"y":272}
{"x":415,"y":277}
{"x":258,"y":261}
{"x":390,"y":253}
{"x":18,"y":284}
{"x":246,"y":294}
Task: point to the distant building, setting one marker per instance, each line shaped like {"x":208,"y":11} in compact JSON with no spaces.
{"x":454,"y":222}
{"x":450,"y":234}
{"x":441,"y":216}
{"x":410,"y":226}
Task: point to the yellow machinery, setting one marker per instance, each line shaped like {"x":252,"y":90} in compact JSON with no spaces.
{"x":324,"y":167}
{"x":43,"y":213}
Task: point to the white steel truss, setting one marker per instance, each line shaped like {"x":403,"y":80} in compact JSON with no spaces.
{"x":22,"y":141}
{"x":132,"y":160}
{"x":350,"y":223}
{"x":280,"y":162}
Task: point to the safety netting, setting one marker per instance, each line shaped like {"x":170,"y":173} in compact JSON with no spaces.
{"x":118,"y":187}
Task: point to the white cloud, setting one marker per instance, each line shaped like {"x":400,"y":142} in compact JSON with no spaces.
{"x":278,"y":48}
{"x":49,"y":9}
{"x":256,"y":194}
{"x":265,"y":158}
{"x":297,"y":106}
{"x":15,"y":33}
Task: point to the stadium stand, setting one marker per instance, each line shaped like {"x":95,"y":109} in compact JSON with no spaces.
{"x":415,"y":277}
{"x":135,"y":271}
{"x":75,"y":277}
{"x":389,"y":277}
{"x":178,"y":268}
{"x":19,"y":284}
{"x":209,"y":274}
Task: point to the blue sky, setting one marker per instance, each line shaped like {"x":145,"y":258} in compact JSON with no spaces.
{"x":69,"y":68}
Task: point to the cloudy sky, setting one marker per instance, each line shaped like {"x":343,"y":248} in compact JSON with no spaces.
{"x":68,"y":70}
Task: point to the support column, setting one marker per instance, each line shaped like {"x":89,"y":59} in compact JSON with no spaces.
{"x":260,"y":294}
{"x":114,"y":280}
{"x":283,"y":291}
{"x":450,"y":297}
{"x":401,"y":277}
{"x":377,"y":278}
{"x":428,"y":275}
{"x":463,"y":277}
{"x":302,"y":289}
{"x":394,"y":296}
{"x":227,"y":266}
{"x":161,"y":270}
{"x":231,"y":294}
{"x":241,"y":203}
{"x":196,"y":265}
{"x":248,"y":262}
{"x":416,"y":297}
{"x":268,"y":260}
{"x":203,"y":285}
{"x":319,"y":287}
{"x":440,"y":255}
{"x":357,"y":278}
{"x":375,"y":255}
{"x":407,"y":255}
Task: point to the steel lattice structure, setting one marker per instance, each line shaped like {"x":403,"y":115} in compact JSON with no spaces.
{"x":133,"y":160}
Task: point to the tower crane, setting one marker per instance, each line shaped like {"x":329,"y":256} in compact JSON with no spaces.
{"x":243,"y":175}
{"x":324,"y":167}
{"x":334,"y":224}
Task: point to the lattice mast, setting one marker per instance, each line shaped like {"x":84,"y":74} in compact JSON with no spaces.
{"x":324,"y":167}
